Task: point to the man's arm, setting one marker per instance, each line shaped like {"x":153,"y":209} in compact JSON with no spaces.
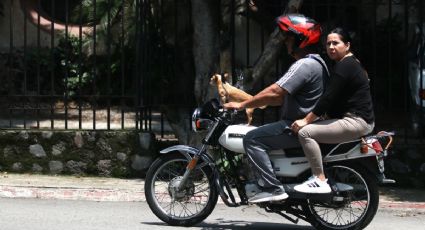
{"x":272,"y":95}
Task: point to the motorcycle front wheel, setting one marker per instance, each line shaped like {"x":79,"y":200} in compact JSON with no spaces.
{"x":351,"y":209}
{"x":185,"y":207}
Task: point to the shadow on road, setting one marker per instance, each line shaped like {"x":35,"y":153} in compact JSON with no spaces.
{"x":402,"y":194}
{"x":229,"y":224}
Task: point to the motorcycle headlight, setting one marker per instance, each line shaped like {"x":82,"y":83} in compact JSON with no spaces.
{"x":195,"y":116}
{"x":198,"y":123}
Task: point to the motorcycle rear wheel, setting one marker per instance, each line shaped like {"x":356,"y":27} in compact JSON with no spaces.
{"x":187,"y":207}
{"x":358,"y":208}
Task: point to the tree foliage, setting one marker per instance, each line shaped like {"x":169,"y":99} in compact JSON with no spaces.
{"x":187,"y":42}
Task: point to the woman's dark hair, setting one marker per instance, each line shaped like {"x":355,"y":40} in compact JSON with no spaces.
{"x":343,"y":34}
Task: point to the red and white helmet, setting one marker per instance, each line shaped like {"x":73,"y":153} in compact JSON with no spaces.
{"x":306,"y":30}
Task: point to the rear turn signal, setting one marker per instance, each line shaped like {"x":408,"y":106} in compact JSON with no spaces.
{"x":377,"y":146}
{"x":364,"y":148}
{"x":371,"y":144}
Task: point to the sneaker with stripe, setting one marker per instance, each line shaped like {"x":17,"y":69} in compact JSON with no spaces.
{"x":269,"y":195}
{"x":314,"y":185}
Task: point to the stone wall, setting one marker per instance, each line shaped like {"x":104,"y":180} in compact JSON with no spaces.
{"x":104,"y":153}
{"x":130,"y":153}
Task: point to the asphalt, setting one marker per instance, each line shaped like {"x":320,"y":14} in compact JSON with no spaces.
{"x":131,"y":190}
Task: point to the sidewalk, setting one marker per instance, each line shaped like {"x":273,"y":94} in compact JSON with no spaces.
{"x":113,"y":189}
{"x":70,"y":187}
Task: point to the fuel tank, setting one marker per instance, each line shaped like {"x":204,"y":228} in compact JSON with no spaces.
{"x":232,"y":137}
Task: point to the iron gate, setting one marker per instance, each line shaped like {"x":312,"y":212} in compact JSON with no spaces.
{"x":70,"y":65}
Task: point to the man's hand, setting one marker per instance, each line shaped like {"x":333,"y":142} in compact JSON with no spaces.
{"x":234,"y":105}
{"x":298,"y":124}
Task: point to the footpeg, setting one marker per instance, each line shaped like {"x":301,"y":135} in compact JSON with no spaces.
{"x":338,"y":198}
{"x":387,"y":181}
{"x":384,"y":180}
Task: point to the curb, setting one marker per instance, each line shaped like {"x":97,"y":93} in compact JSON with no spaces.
{"x":126,"y":195}
{"x":402,"y":205}
{"x":89,"y":194}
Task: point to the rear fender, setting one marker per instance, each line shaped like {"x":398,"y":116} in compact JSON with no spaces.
{"x":368,"y":165}
{"x":371,"y":166}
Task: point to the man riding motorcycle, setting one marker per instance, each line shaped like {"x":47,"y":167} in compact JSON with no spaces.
{"x":297,"y":92}
{"x":183,"y":184}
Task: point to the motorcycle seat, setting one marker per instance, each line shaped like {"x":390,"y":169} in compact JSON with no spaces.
{"x":339,"y":148}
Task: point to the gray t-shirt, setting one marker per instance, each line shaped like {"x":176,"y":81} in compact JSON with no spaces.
{"x":304,"y":82}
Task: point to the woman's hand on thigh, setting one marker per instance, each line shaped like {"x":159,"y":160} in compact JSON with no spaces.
{"x":298,"y":124}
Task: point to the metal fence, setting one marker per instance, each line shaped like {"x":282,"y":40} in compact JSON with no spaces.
{"x":82,"y":69}
{"x":70,"y":65}
{"x":388,"y":39}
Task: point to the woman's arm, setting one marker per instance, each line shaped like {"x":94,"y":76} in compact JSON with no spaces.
{"x":298,"y":124}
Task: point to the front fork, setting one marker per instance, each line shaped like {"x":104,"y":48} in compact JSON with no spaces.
{"x":189,"y":168}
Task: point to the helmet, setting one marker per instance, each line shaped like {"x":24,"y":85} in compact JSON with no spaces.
{"x":306,"y":30}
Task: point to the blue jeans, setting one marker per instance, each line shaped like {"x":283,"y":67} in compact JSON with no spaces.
{"x":260,"y":141}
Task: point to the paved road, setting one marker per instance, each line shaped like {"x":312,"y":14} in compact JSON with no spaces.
{"x":39,"y":214}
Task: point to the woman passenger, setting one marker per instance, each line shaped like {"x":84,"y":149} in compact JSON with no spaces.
{"x":346,"y":104}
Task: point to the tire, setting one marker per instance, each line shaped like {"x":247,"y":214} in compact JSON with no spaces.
{"x":358,"y":208}
{"x":184,"y":208}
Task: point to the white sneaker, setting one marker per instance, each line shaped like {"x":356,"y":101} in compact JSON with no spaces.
{"x":314,"y":185}
{"x":274,"y":194}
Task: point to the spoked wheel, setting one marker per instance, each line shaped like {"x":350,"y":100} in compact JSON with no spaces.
{"x":184,"y":207}
{"x":353,"y":208}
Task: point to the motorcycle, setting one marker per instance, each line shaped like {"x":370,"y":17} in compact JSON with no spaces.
{"x":183,"y":184}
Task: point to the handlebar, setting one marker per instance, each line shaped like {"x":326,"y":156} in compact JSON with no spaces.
{"x":227,"y":114}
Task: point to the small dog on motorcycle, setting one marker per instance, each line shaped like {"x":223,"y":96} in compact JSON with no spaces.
{"x":229,"y":93}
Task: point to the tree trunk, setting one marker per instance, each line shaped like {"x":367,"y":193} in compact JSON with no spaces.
{"x":179,"y":71}
{"x":179,"y":120}
{"x":212,"y":53}
{"x":226,"y":37}
{"x":205,"y":51}
{"x":206,"y":54}
{"x":271,"y":51}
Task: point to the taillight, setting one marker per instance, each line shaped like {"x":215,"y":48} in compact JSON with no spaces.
{"x":377,"y":146}
{"x":371,"y":143}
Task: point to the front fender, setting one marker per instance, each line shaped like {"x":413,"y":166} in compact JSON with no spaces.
{"x":187,"y":152}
